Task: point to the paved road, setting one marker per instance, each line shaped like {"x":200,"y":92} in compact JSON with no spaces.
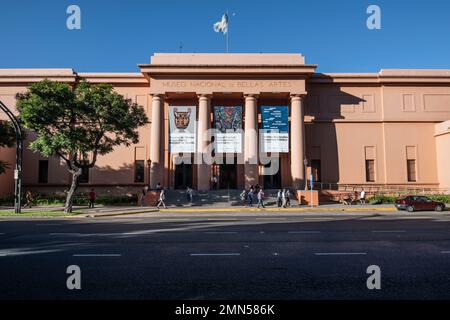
{"x":267,"y":257}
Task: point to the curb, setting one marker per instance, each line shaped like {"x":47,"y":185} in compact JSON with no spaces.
{"x":234,"y":210}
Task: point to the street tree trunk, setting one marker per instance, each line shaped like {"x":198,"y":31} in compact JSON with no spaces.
{"x":76,"y":173}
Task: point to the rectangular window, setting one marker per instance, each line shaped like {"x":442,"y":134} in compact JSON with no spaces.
{"x":84,"y":178}
{"x":411,"y":168}
{"x":139,"y":168}
{"x":43,"y":171}
{"x":370,"y":170}
{"x":316,"y":170}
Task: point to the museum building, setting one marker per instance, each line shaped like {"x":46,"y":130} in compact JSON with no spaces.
{"x":227,"y":118}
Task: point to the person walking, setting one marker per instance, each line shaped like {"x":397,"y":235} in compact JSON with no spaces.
{"x":279,"y":198}
{"x":283,"y":198}
{"x":29,"y":199}
{"x":214,"y":182}
{"x":260,"y":198}
{"x":189,"y":194}
{"x":288,"y":198}
{"x":92,"y":196}
{"x":362,"y":197}
{"x":250,"y":196}
{"x":243,"y":197}
{"x":143,"y":194}
{"x":162,"y":199}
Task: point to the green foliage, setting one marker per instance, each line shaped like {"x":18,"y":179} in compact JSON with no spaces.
{"x":382,"y":199}
{"x":77,"y":123}
{"x":80,"y":200}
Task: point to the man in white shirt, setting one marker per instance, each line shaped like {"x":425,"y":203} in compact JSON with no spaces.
{"x":362,"y":197}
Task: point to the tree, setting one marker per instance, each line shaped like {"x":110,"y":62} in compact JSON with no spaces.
{"x":7,"y":140}
{"x":78,"y":124}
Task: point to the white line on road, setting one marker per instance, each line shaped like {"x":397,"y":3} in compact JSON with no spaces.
{"x":97,"y":255}
{"x":48,"y":224}
{"x":388,"y":231}
{"x":213,"y":254}
{"x":445,"y":252}
{"x":341,"y":253}
{"x":221,"y":232}
{"x":304,"y":232}
{"x":1,"y":234}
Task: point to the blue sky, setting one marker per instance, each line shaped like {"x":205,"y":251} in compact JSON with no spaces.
{"x":117,"y":35}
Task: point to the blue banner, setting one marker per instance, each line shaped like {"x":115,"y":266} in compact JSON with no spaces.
{"x":275,"y":128}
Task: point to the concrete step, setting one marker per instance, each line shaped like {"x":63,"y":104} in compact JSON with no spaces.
{"x":218,"y":198}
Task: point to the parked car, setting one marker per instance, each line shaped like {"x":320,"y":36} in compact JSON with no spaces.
{"x":416,"y":203}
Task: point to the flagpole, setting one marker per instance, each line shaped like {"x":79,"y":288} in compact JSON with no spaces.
{"x":228,"y":30}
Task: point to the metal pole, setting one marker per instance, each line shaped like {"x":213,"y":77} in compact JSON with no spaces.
{"x":19,"y":156}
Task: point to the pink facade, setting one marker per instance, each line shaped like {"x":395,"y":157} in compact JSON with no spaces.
{"x":388,"y":128}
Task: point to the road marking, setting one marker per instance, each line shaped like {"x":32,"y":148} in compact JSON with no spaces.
{"x":271,"y":218}
{"x":1,"y":234}
{"x":64,"y":234}
{"x":303,"y":232}
{"x":174,"y":219}
{"x":445,"y":252}
{"x":48,"y":224}
{"x":97,"y":255}
{"x":341,"y":253}
{"x":221,"y":232}
{"x":213,"y":254}
{"x":388,"y":231}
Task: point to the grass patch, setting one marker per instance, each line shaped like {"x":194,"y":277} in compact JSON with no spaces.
{"x":11,"y":213}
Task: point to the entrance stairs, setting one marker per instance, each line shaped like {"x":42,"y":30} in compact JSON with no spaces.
{"x":218,"y":198}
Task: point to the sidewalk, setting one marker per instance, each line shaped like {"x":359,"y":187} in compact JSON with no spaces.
{"x":110,"y":211}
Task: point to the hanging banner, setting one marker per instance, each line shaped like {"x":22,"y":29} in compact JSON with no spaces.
{"x":275,"y":128}
{"x":182,"y":129}
{"x":228,"y":125}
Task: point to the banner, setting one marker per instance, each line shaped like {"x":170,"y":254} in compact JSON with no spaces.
{"x":275,"y":128}
{"x":182,"y":129}
{"x":228,"y":125}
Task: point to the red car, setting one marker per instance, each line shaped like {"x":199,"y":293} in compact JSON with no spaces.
{"x":416,"y":203}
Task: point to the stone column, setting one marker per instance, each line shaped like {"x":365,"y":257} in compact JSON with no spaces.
{"x":297,"y":142}
{"x":156,"y":166}
{"x":204,"y":119}
{"x":251,"y":141}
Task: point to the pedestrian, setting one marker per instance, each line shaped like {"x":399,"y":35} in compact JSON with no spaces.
{"x":143,"y":194}
{"x":288,"y":198}
{"x":362,"y":197}
{"x":189,"y":194}
{"x":29,"y":199}
{"x":214,"y":181}
{"x":92,"y":196}
{"x":279,"y":198}
{"x":158,"y":186}
{"x":283,"y":198}
{"x":260,"y":198}
{"x":243,"y":197}
{"x":162,"y":199}
{"x":250,"y":196}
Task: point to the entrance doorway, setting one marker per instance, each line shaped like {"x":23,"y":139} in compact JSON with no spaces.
{"x":272,"y":181}
{"x":183,"y":176}
{"x":228,"y":176}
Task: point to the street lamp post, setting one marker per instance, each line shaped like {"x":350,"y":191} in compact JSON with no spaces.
{"x":19,"y":154}
{"x":305,"y":162}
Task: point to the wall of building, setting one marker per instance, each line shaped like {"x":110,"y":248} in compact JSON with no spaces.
{"x":442,"y":136}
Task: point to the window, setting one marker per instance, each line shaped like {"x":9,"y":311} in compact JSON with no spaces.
{"x":43,"y":171}
{"x":370,"y":170}
{"x":411,"y":169}
{"x":84,"y":178}
{"x":139,"y":168}
{"x":316,"y":170}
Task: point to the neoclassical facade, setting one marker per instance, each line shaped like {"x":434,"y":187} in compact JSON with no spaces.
{"x":224,"y":120}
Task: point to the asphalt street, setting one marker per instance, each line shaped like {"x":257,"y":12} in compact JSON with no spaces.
{"x":208,"y":257}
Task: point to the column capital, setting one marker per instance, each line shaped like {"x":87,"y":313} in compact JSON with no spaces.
{"x":157,"y":95}
{"x":204,"y":96}
{"x":298,"y":96}
{"x":251,"y":96}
